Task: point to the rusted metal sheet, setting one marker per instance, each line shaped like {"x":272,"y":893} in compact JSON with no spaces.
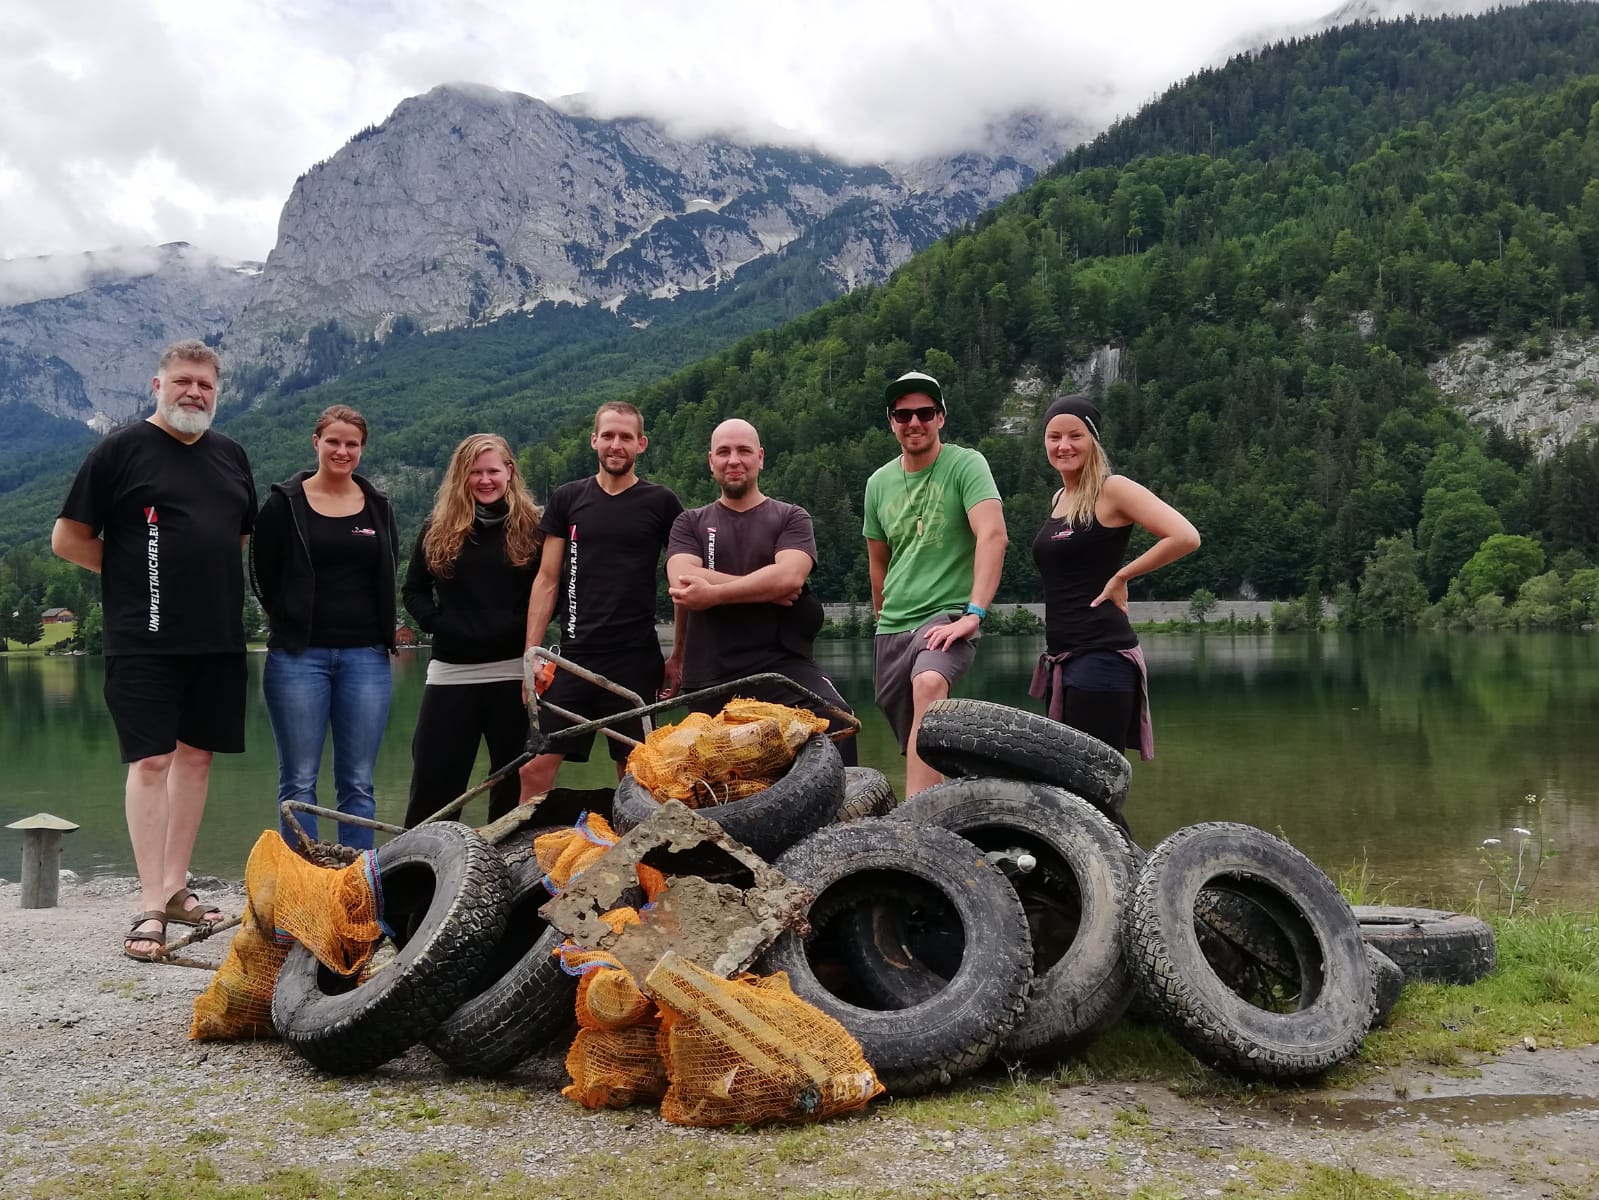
{"x":723,"y":904}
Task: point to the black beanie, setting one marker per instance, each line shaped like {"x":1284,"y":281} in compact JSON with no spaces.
{"x":1079,"y":406}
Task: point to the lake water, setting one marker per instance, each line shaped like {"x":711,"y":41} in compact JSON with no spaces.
{"x":1402,"y":752}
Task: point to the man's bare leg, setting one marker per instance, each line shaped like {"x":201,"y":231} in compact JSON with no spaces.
{"x":538,"y":775}
{"x":926,"y":686}
{"x":187,"y":783}
{"x":145,"y":802}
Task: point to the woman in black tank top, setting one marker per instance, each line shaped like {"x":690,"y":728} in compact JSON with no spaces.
{"x":1092,"y":672}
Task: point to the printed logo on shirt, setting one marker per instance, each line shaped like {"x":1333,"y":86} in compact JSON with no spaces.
{"x":571,"y":581}
{"x":1061,"y":534}
{"x":710,"y":546}
{"x":362,"y":531}
{"x":152,"y":558}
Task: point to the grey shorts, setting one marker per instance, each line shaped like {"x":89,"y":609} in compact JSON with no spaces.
{"x":900,"y":657}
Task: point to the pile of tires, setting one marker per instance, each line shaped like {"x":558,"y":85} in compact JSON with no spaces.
{"x":1006,"y":912}
{"x":472,"y":973}
{"x":1003,"y":913}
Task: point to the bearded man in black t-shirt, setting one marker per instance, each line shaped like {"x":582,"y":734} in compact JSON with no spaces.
{"x":603,"y":538}
{"x":739,"y":566}
{"x":160,"y":510}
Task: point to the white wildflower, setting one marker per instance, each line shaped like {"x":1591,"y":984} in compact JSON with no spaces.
{"x":1490,"y":841}
{"x":1521,"y":831}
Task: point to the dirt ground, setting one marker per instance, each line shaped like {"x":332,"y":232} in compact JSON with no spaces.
{"x":98,"y":1082}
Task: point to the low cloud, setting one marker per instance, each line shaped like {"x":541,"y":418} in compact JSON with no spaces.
{"x":189,"y":120}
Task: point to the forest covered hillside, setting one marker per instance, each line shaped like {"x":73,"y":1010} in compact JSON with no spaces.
{"x":1274,"y":295}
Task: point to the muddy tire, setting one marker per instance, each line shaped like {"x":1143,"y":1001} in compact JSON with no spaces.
{"x":966,"y":738}
{"x":522,"y":1000}
{"x":444,"y":898}
{"x":1073,"y":898}
{"x":867,"y":793}
{"x":958,"y":1029}
{"x":769,"y":822}
{"x":1314,"y":1019}
{"x":1430,"y":945}
{"x":1389,"y":982}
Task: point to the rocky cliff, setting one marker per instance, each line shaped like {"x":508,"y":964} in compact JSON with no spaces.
{"x":1548,"y":394}
{"x":470,"y":203}
{"x":88,"y":355}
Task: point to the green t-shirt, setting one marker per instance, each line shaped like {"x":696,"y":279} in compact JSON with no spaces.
{"x":922,"y":517}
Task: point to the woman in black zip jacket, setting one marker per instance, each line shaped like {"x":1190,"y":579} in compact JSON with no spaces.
{"x":468,"y":585}
{"x":322,"y":561}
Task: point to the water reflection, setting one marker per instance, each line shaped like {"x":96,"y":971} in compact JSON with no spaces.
{"x":1404,"y":752}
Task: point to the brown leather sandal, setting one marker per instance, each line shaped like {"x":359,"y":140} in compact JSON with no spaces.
{"x":180,"y":913}
{"x":135,"y":935}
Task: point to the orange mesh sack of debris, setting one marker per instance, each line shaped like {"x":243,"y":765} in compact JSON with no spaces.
{"x":748,"y":1050}
{"x":613,"y":1068}
{"x":666,"y":763}
{"x":333,"y":912}
{"x":614,"y":1059}
{"x":794,"y":724}
{"x":566,"y":853}
{"x":737,"y":753}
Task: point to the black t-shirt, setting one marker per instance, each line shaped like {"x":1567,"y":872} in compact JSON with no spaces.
{"x":1076,"y":564}
{"x":612,"y":563}
{"x":742,"y":639}
{"x":345,"y":555}
{"x":171,"y":515}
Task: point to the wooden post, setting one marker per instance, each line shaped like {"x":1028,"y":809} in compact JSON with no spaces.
{"x":41,"y":858}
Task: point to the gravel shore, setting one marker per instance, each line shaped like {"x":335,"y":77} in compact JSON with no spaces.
{"x":103,"y":1094}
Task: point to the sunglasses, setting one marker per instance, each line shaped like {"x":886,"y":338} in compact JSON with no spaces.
{"x":903,"y":416}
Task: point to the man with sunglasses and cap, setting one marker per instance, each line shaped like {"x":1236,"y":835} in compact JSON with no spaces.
{"x":935,"y":546}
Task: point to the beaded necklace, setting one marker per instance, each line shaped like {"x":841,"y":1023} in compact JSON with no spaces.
{"x":927,"y":484}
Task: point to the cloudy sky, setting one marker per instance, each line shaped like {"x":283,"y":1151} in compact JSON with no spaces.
{"x":134,"y":122}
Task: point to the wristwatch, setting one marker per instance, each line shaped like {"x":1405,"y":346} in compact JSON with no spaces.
{"x":978,"y":611}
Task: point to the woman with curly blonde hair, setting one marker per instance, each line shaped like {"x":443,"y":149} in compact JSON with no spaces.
{"x":468,"y":585}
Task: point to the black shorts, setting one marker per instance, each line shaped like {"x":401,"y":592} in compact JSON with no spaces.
{"x":640,"y":671}
{"x":159,"y":700}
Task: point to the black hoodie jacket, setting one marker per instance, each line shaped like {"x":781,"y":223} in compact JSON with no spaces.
{"x":281,"y":573}
{"x":479,"y":613}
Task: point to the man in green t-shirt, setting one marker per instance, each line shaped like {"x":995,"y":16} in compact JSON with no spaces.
{"x":935,"y":545}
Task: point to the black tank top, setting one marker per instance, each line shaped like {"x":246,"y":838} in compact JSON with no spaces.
{"x":1076,"y":563}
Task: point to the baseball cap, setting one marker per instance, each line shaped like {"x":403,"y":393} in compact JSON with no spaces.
{"x":915,"y":381}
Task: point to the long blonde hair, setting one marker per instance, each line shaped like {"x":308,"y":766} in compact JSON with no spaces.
{"x":1077,"y":505}
{"x":454,"y":510}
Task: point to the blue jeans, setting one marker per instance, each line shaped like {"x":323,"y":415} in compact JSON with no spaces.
{"x":305,"y":693}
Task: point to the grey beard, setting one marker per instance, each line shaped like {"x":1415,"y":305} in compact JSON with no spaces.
{"x":185,"y":420}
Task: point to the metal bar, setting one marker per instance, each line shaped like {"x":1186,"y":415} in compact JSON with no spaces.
{"x":572,"y":716}
{"x":849,"y":724}
{"x":535,"y":654}
{"x":466,"y":797}
{"x":336,"y":815}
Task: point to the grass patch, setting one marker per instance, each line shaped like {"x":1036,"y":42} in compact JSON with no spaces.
{"x":1284,"y":1180}
{"x":325,"y":1116}
{"x":53,"y":635}
{"x":1012,"y":1106}
{"x":1546,"y":987}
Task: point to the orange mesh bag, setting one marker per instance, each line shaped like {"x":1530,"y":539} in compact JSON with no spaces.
{"x":612,"y":1068}
{"x":749,"y":750}
{"x":566,"y":853}
{"x":748,"y":1050}
{"x":796,"y":724}
{"x":333,"y":912}
{"x":608,"y":998}
{"x":665,"y":763}
{"x":705,"y":760}
{"x":613,"y":1060}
